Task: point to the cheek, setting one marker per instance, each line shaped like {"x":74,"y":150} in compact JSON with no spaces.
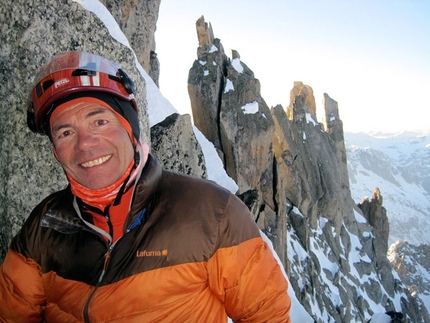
{"x":123,"y":144}
{"x":127,"y":153}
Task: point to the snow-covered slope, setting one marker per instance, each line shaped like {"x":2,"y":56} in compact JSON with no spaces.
{"x":399,"y":165}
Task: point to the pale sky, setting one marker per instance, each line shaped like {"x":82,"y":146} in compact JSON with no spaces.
{"x":372,"y":57}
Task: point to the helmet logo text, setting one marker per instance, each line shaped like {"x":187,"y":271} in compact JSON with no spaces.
{"x":61,"y":82}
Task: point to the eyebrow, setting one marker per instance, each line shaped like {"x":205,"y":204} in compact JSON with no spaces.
{"x":95,"y":112}
{"x":89,"y":115}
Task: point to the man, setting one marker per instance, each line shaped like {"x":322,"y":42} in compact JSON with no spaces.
{"x":127,"y":241}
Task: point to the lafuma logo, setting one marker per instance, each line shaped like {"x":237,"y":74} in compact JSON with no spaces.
{"x":157,"y":253}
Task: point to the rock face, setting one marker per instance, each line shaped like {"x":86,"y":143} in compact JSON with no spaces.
{"x":293,"y":176}
{"x":137,"y":19}
{"x":334,"y":127}
{"x":206,"y":93}
{"x":376,"y":215}
{"x":229,"y":110}
{"x":174,"y":144}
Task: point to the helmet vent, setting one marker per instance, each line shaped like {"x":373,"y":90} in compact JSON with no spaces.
{"x":42,"y":87}
{"x":83,"y":72}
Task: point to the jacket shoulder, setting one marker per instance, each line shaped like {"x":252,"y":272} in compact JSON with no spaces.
{"x":194,"y":185}
{"x":54,"y":212}
{"x":213,"y":205}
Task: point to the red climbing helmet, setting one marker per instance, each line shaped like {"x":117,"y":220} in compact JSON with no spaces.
{"x":70,"y":74}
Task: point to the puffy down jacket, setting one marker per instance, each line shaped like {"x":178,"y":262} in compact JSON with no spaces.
{"x":193,"y":255}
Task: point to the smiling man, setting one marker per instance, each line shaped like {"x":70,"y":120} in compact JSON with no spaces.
{"x":103,"y":149}
{"x":127,"y":241}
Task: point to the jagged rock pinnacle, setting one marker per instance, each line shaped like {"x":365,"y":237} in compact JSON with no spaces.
{"x":205,"y":33}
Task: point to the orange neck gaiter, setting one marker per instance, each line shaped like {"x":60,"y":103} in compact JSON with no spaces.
{"x":104,"y":199}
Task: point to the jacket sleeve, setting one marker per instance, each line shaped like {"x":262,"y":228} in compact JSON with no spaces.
{"x":244,"y":273}
{"x":22,"y":296}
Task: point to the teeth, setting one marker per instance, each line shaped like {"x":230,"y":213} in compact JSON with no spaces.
{"x":96,"y":162}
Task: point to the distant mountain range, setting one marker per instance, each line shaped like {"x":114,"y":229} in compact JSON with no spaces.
{"x":399,"y":165}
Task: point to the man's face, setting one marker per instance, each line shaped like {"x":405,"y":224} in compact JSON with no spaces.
{"x":91,"y":144}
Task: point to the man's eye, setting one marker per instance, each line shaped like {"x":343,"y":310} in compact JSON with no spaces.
{"x":65,"y":133}
{"x":101,"y":122}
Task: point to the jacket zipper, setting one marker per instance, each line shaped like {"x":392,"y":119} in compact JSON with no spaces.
{"x":137,"y":222}
{"x":105,"y":264}
{"x":107,"y":257}
{"x":87,"y":304}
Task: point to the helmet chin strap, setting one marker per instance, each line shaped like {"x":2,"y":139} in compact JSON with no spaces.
{"x":136,"y":157}
{"x":127,"y":185}
{"x":123,"y":188}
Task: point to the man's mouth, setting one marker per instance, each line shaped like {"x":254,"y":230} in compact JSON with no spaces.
{"x":96,"y":162}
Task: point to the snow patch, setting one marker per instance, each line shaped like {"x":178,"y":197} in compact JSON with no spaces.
{"x":359,"y":217}
{"x":237,"y":65}
{"x":310,"y":119}
{"x":229,"y":86}
{"x":250,"y":108}
{"x":213,"y":49}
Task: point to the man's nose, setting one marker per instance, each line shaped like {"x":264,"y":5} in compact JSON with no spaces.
{"x":86,"y":140}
